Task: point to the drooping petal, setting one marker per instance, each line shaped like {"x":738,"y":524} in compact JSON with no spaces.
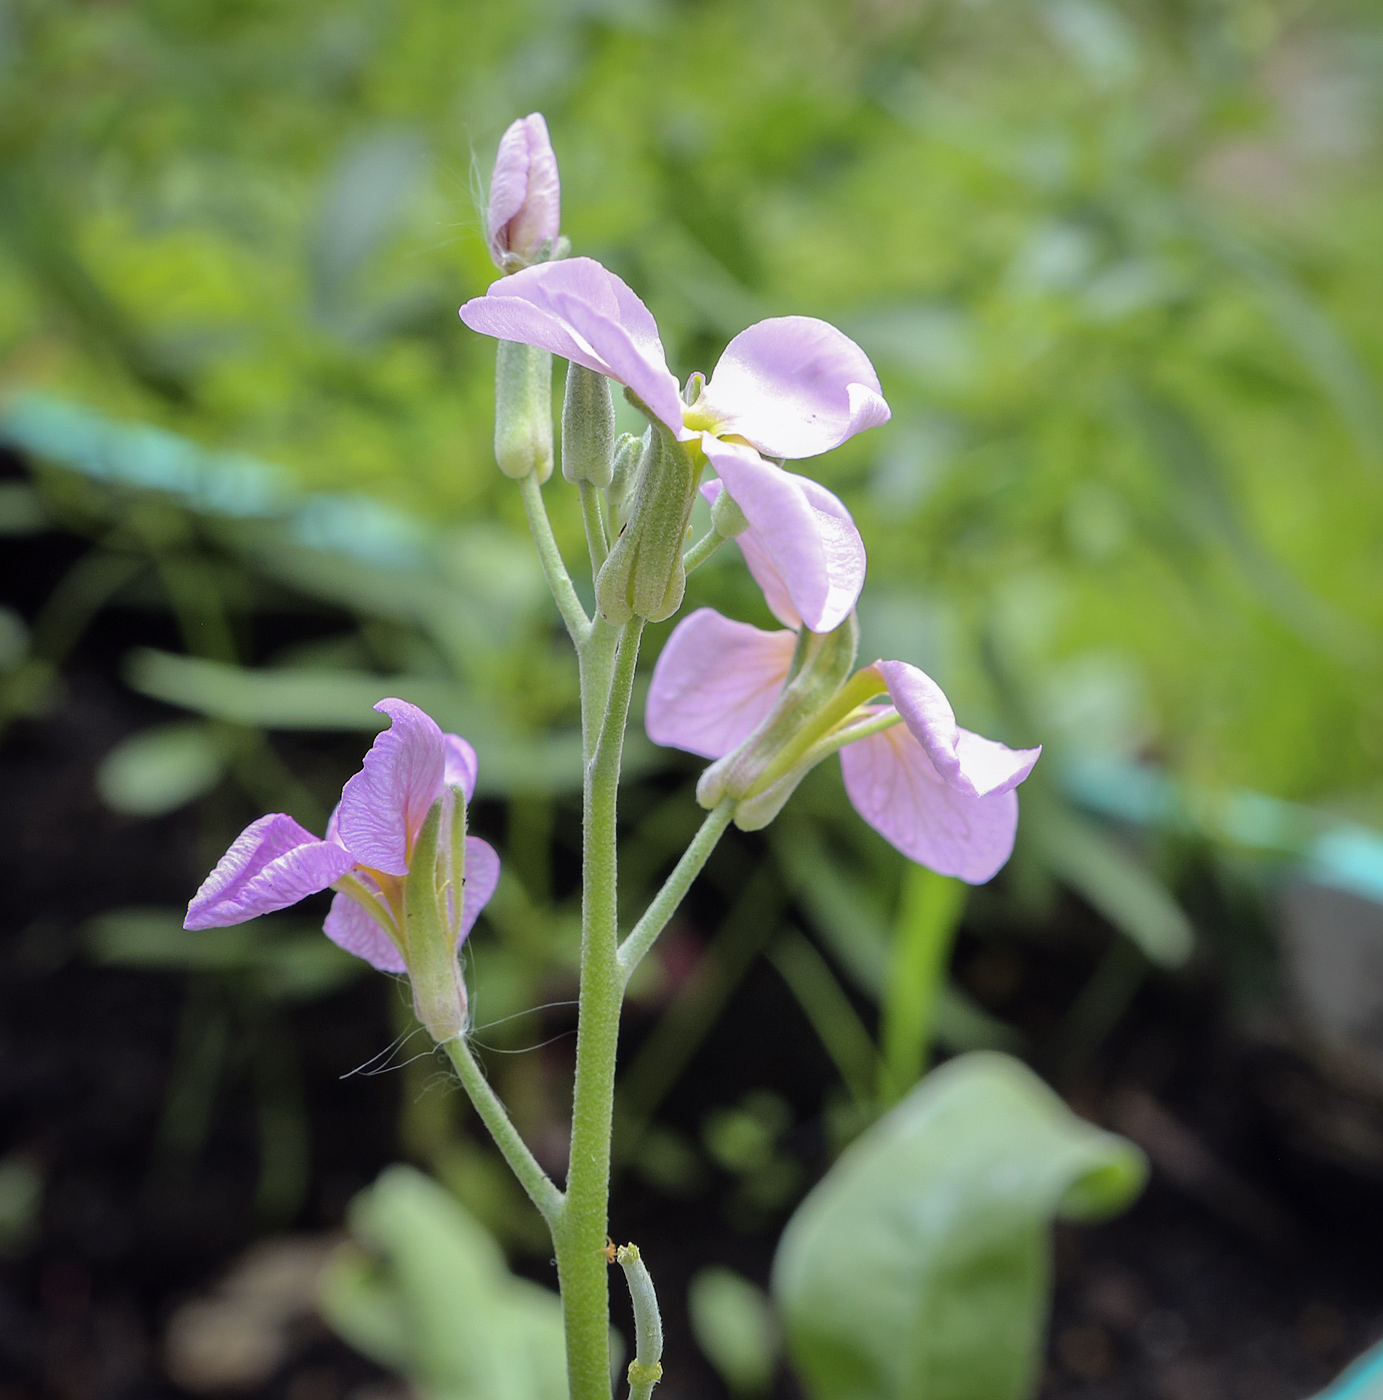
{"x":482,"y":878}
{"x":273,"y":863}
{"x":383,"y":807}
{"x":760,"y":566}
{"x":350,"y":927}
{"x":525,"y":191}
{"x":461,"y":765}
{"x":714,"y":681}
{"x":794,"y":387}
{"x":581,"y":311}
{"x":801,"y":543}
{"x":966,"y":762}
{"x":894,"y":787}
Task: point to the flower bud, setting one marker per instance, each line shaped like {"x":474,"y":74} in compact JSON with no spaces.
{"x":588,"y":427}
{"x":727,"y":519}
{"x":766,"y":769}
{"x":523,"y":410}
{"x":433,"y":891}
{"x":644,"y":575}
{"x":629,"y":454}
{"x":524,"y":215}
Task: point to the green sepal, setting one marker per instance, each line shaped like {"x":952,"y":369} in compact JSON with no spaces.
{"x":588,"y":428}
{"x":436,"y":870}
{"x":523,"y":410}
{"x":644,"y":575}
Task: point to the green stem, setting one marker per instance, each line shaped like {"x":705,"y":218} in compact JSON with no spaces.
{"x":593,"y":515}
{"x":540,"y":1187}
{"x":928,"y":917}
{"x":702,"y":550}
{"x":664,"y":906}
{"x":580,"y":1233}
{"x":554,"y":570}
{"x":646,"y":1369}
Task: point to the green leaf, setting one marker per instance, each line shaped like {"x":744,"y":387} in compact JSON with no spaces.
{"x":425,"y":1289}
{"x":918,"y":1268}
{"x":734,"y":1326}
{"x":158,"y":770}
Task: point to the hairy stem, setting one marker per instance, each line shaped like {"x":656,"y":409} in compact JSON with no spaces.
{"x":593,"y":516}
{"x":580,"y":1232}
{"x":665,"y":902}
{"x":554,"y":570}
{"x":540,"y":1187}
{"x":702,"y":550}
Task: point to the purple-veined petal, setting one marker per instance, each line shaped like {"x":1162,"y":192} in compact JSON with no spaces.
{"x":714,"y":681}
{"x":273,"y":863}
{"x":461,"y":765}
{"x":525,"y":191}
{"x":794,"y":387}
{"x":760,"y":566}
{"x":350,"y":927}
{"x":892,"y":784}
{"x":482,"y":878}
{"x":581,"y":311}
{"x":800,"y":537}
{"x":383,"y":807}
{"x":967,"y":762}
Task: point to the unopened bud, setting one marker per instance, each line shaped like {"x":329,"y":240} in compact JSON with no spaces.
{"x":727,"y":519}
{"x":766,"y":768}
{"x":629,"y":454}
{"x":525,"y":208}
{"x":432,"y":897}
{"x":588,"y":427}
{"x":523,"y":410}
{"x":644,"y":575}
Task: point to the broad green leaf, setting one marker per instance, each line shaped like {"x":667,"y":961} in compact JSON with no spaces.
{"x":158,"y":770}
{"x":734,"y":1326}
{"x":424,"y":1288}
{"x":918,"y":1268}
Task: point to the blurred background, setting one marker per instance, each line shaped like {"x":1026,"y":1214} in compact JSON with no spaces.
{"x":1119,"y":269}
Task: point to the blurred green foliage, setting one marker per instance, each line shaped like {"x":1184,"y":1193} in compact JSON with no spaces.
{"x":1117,"y":264}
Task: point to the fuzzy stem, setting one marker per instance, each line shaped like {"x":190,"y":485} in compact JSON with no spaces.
{"x":580,"y":1233}
{"x":593,"y":516}
{"x":702,"y":550}
{"x":665,"y":902}
{"x":541,"y":1189}
{"x":554,"y":570}
{"x":646,"y":1369}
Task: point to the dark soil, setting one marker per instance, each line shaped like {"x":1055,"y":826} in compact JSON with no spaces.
{"x":1247,"y":1271}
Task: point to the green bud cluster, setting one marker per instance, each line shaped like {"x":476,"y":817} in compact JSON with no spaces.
{"x":588,"y":428}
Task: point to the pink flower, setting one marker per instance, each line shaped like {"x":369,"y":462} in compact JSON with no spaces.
{"x":525,"y":195}
{"x":787,"y":387}
{"x":942,"y":795}
{"x":369,"y":847}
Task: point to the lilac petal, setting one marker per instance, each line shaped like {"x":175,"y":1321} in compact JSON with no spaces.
{"x":525,"y":192}
{"x":351,"y":927}
{"x":794,"y":387}
{"x":461,"y":764}
{"x":383,"y":807}
{"x":581,"y":311}
{"x":273,"y":863}
{"x":482,"y":878}
{"x":760,"y":566}
{"x":714,"y":681}
{"x":894,"y":787}
{"x":970,"y":764}
{"x":800,"y":535}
